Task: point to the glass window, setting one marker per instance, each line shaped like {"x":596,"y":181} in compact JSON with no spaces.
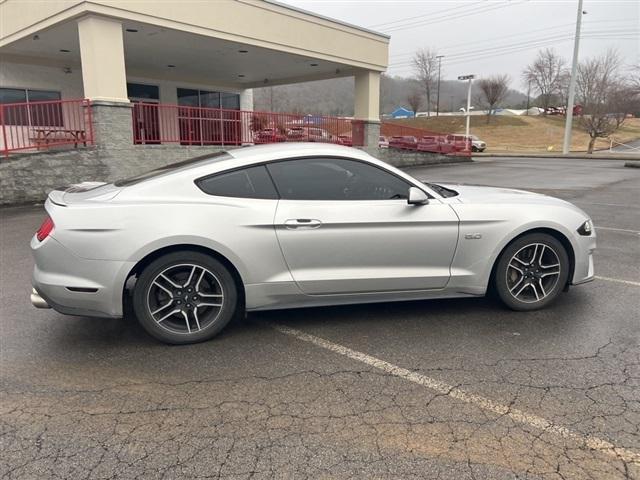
{"x":230,"y":101}
{"x":188,"y":97}
{"x":36,"y":115}
{"x":209,"y":99}
{"x":143,"y":92}
{"x":13,"y":95}
{"x":335,"y":179}
{"x":252,"y":182}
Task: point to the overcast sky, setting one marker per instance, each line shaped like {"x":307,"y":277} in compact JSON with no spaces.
{"x":489,"y":36}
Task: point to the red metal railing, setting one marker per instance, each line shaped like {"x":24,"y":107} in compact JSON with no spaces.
{"x":155,"y":123}
{"x":42,"y":125}
{"x":405,"y":137}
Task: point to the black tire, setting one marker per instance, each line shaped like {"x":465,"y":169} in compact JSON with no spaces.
{"x":474,"y":149}
{"x":215,"y":286}
{"x":535,"y":278}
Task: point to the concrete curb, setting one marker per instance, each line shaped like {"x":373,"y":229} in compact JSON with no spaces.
{"x":580,"y":156}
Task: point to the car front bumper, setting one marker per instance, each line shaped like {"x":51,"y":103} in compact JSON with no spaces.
{"x":584,"y":247}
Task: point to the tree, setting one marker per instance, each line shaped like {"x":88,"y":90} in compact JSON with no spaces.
{"x":414,"y":99}
{"x":493,"y":90}
{"x":605,"y":97}
{"x":546,"y":75}
{"x":425,"y":65}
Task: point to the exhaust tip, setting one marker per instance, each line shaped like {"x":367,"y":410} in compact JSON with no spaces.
{"x":37,"y":301}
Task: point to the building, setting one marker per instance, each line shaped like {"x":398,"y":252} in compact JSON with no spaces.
{"x":140,"y":75}
{"x":402,"y":112}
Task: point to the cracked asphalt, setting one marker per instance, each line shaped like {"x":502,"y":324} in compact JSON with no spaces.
{"x":341,"y":392}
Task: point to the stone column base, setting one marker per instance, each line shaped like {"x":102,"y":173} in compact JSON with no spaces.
{"x":370,"y":137}
{"x":112,"y":125}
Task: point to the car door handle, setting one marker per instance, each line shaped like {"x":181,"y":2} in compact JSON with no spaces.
{"x":302,"y":223}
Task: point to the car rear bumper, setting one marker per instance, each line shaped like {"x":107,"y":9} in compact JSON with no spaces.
{"x":76,"y":286}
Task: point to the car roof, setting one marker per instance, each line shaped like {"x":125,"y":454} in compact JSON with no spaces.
{"x":273,"y":151}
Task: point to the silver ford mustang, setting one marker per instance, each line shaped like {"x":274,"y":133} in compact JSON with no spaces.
{"x":277,"y":226}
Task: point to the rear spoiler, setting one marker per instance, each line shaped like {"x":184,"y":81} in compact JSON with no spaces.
{"x":57,"y":196}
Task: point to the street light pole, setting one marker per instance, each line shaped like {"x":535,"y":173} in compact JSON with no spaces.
{"x":468,"y":111}
{"x":439,"y":57}
{"x":572,"y":84}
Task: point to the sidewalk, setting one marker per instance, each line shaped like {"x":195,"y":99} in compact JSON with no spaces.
{"x":581,"y":155}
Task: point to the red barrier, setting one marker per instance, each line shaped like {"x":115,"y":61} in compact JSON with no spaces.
{"x":405,"y":137}
{"x":155,"y":123}
{"x":43,"y":125}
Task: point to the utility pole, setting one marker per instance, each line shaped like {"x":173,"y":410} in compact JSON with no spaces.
{"x":439,"y":57}
{"x":528,"y":96}
{"x":468,"y":111}
{"x":572,"y":84}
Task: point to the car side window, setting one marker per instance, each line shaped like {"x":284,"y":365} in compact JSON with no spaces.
{"x":335,"y":179}
{"x":252,"y":182}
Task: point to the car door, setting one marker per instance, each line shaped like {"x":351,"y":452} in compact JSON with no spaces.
{"x":345,"y":226}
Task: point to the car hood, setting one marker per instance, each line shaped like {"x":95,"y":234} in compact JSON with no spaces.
{"x":487,"y":195}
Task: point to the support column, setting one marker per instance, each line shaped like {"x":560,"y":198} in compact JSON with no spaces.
{"x":367,"y":107}
{"x":105,"y":81}
{"x":102,"y":54}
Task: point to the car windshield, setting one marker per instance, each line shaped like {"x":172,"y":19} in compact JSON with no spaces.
{"x":173,"y":167}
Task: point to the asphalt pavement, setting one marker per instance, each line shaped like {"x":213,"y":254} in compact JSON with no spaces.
{"x":450,"y":389}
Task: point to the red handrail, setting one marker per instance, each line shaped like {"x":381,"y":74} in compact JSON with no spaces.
{"x":155,"y":123}
{"x":42,"y":125}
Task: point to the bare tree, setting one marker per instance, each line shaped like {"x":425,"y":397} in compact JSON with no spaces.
{"x":546,"y":75}
{"x":414,"y":99}
{"x":425,"y":65}
{"x":604,"y":96}
{"x":493,"y":90}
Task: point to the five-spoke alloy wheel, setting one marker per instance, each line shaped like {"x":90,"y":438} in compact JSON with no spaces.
{"x":185,"y":297}
{"x":531,"y":272}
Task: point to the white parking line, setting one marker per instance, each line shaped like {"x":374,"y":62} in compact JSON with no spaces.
{"x":618,"y":280}
{"x":454,"y":392}
{"x":617,"y":229}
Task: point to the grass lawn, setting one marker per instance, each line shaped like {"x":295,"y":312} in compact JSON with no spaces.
{"x":524,"y":133}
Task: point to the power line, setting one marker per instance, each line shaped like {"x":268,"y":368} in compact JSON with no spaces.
{"x":527,"y":43}
{"x":430,"y":14}
{"x":421,"y":23}
{"x":519,"y":34}
{"x":541,"y":43}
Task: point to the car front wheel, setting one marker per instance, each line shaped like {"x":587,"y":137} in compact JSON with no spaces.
{"x":531,"y":272}
{"x":185,"y":297}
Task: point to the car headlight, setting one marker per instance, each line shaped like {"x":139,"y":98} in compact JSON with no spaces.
{"x":586,"y":228}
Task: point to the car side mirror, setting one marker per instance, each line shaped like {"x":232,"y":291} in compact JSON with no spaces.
{"x":417,"y":197}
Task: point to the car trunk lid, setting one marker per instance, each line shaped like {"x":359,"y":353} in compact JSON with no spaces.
{"x":84,"y":191}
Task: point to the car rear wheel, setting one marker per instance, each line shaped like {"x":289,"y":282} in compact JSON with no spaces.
{"x":531,"y":272}
{"x":185,"y":297}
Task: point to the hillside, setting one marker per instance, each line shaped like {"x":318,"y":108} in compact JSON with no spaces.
{"x":523,"y":133}
{"x":335,"y":96}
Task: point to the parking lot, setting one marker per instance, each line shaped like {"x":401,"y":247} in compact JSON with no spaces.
{"x":449,"y":389}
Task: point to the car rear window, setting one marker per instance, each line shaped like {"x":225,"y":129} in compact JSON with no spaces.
{"x":173,"y":167}
{"x":251,"y":182}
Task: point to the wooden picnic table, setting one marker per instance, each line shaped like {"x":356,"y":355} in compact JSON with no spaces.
{"x":53,"y":135}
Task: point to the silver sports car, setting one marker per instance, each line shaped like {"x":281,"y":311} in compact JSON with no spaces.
{"x":194,"y":243}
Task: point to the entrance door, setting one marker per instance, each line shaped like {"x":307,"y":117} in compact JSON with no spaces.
{"x":345,"y":227}
{"x":146,"y":118}
{"x":208,"y":118}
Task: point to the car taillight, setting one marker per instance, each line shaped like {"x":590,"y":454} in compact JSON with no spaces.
{"x":45,"y":229}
